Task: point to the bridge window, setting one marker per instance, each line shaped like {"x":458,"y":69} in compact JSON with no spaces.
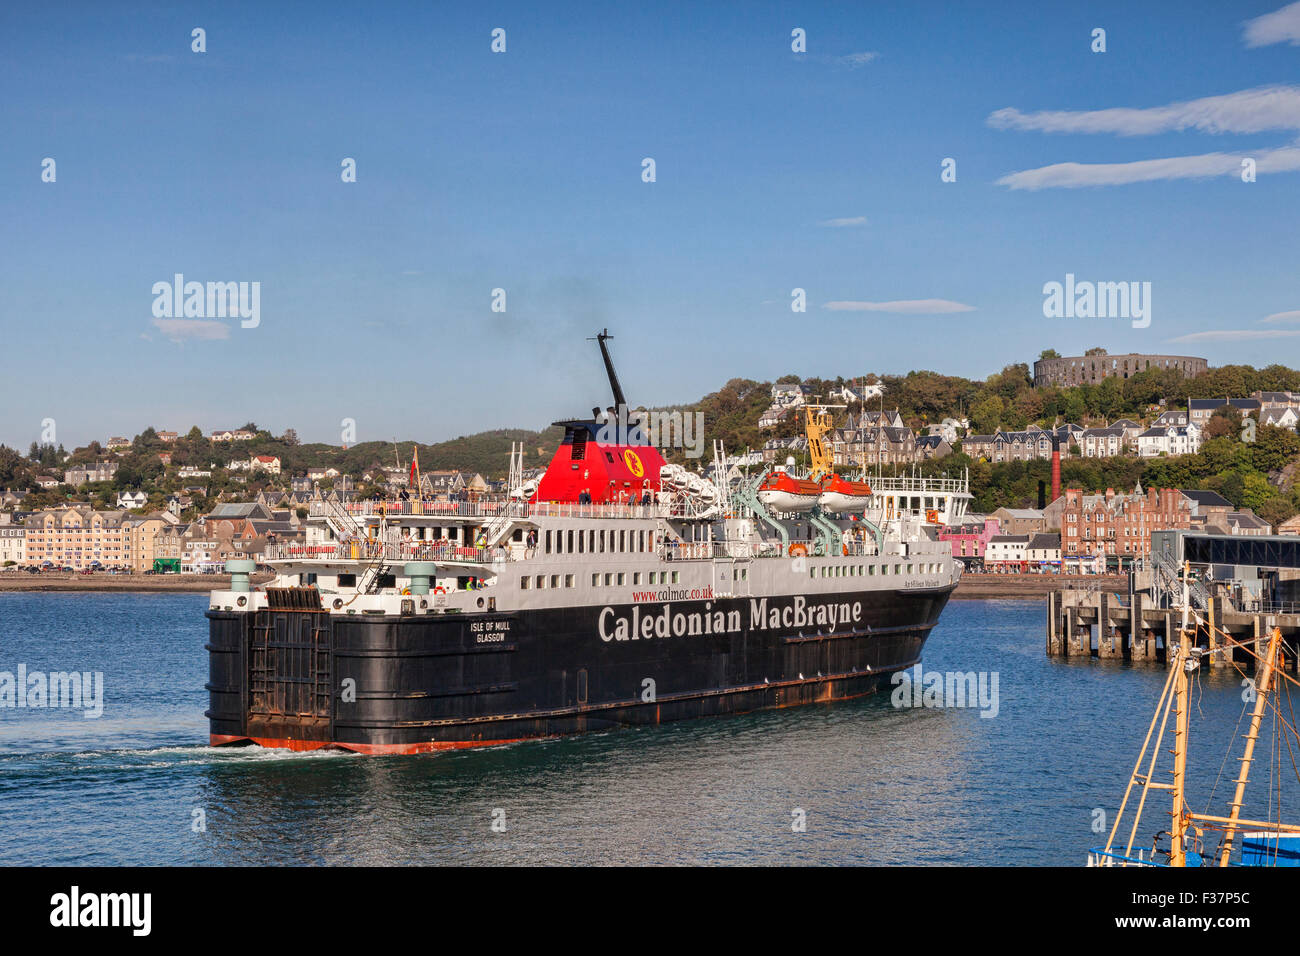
{"x":555,"y":580}
{"x":548,"y":540}
{"x":622,"y":579}
{"x":541,"y":581}
{"x":636,"y":578}
{"x":570,"y":548}
{"x":524,"y":582}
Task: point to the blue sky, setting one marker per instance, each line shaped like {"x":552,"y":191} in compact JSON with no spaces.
{"x":522,"y":170}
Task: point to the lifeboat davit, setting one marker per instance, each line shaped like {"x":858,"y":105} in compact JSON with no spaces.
{"x":840,"y":494}
{"x":781,"y":491}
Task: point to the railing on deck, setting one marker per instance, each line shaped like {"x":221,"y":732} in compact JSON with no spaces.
{"x":368,"y":549}
{"x":708,"y":550}
{"x":495,"y":509}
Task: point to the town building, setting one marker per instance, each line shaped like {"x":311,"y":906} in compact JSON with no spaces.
{"x":1169,"y":440}
{"x":1174,"y":416}
{"x":1043,"y":552}
{"x":970,"y":538}
{"x":1290,"y":526}
{"x":126,"y":500}
{"x":1093,"y":369}
{"x":1201,"y":410}
{"x":1020,"y":521}
{"x":1106,"y":442}
{"x":13,"y":544}
{"x":81,"y":474}
{"x":1279,"y":416}
{"x":1006,"y":552}
{"x":1214,"y":514}
{"x":77,"y":537}
{"x":1116,"y":528}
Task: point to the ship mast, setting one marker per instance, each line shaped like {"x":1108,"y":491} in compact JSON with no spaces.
{"x":619,"y":400}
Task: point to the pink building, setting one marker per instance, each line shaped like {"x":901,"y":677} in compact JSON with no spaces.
{"x":970,"y":539}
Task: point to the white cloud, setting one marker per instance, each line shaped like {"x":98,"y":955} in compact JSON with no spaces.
{"x":1276,"y":317}
{"x":1223,"y":335}
{"x":204,"y":329}
{"x":1076,"y":175}
{"x":858,"y":59}
{"x":1280,"y":26}
{"x":906,"y":306}
{"x":1247,"y":111}
{"x":846,"y":221}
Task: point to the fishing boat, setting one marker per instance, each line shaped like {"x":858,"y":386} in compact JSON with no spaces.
{"x":1189,"y":838}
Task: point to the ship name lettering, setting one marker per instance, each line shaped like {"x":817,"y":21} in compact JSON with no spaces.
{"x":801,"y":614}
{"x":666,"y":623}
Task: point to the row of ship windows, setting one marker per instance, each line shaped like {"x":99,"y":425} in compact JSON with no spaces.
{"x":597,"y":542}
{"x":868,"y":570}
{"x":609,"y":579}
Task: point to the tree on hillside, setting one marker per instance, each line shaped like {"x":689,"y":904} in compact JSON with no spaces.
{"x":1224,"y":423}
{"x":1274,"y":448}
{"x":1048,"y":354}
{"x":986,"y":415}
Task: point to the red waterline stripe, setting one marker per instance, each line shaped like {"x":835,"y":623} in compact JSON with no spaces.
{"x":431,"y":746}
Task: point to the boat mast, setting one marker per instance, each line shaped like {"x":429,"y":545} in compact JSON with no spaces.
{"x":1182,"y":725}
{"x":1261,"y":696}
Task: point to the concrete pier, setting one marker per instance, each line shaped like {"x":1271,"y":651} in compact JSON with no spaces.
{"x":1129,"y":628}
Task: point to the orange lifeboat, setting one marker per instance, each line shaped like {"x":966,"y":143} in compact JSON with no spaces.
{"x":781,"y":491}
{"x":840,"y":494}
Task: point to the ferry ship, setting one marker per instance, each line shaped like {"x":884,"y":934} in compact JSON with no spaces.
{"x":617,"y":590}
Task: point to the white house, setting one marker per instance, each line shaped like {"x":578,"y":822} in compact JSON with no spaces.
{"x":789,"y":394}
{"x":131,"y":499}
{"x":1170,"y":440}
{"x":1006,"y":549}
{"x":267,"y":463}
{"x":1279,"y":416}
{"x":13,"y":544}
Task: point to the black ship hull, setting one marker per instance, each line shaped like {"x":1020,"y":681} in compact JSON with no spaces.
{"x":304,"y":679}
